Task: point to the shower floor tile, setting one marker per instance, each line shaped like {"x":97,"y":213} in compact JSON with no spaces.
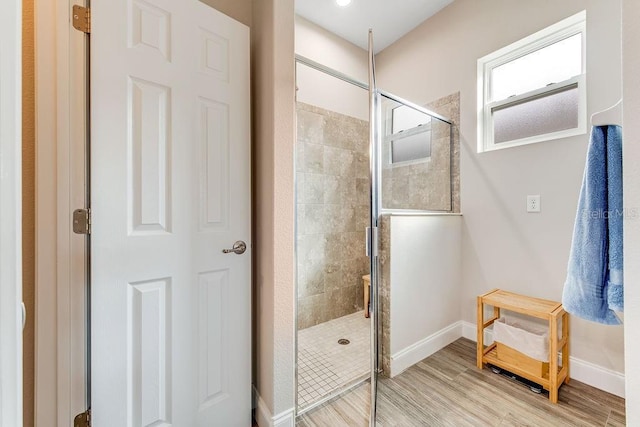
{"x":324,"y":366}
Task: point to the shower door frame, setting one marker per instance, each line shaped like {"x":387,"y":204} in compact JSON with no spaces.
{"x":373,"y":241}
{"x":375,"y":210}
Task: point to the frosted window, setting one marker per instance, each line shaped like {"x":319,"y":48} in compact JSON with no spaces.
{"x":546,"y":114}
{"x":555,"y":63}
{"x":404,"y":118}
{"x":413,"y":147}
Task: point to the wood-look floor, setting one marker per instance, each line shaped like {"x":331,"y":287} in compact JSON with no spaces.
{"x":447,"y":389}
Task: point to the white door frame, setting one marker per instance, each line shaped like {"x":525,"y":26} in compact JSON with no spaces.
{"x":11,"y":212}
{"x":60,"y":391}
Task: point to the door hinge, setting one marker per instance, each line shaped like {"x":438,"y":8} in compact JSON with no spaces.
{"x":81,"y":17}
{"x":83,"y":419}
{"x":82,"y":221}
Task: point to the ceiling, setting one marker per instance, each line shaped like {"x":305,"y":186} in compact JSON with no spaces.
{"x":389,"y":19}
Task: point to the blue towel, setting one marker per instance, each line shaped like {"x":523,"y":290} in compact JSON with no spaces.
{"x":593,"y":288}
{"x":615,"y":296}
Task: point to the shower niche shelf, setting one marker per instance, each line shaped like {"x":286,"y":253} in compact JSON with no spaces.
{"x":552,"y":312}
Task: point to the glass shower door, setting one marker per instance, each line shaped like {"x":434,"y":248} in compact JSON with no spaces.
{"x":411,"y":183}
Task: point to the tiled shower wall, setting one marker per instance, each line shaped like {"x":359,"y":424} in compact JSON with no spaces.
{"x":332,"y":174}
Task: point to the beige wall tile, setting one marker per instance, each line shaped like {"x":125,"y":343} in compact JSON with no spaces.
{"x":332,"y":199}
{"x":313,"y":158}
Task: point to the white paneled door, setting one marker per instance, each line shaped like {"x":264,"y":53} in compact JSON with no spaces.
{"x":11,"y":315}
{"x":170,"y":158}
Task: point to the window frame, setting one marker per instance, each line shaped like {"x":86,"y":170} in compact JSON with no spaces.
{"x":399,"y":136}
{"x":391,"y":137}
{"x":564,"y":29}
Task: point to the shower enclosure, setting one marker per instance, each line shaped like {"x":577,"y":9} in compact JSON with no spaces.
{"x":356,"y":169}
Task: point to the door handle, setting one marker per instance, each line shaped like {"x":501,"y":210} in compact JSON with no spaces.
{"x":24,"y":315}
{"x":239,"y":248}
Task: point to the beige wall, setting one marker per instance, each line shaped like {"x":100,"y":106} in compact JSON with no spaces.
{"x":324,"y":91}
{"x":240,"y":10}
{"x":28,"y":207}
{"x":318,"y":44}
{"x":273,"y":89}
{"x":503,"y":246}
{"x":283,"y":137}
{"x":631,"y":71}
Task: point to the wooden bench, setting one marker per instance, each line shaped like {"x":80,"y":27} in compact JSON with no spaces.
{"x":550,"y":311}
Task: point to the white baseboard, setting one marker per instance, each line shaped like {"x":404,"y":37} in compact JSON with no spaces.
{"x":263,"y":414}
{"x":285,"y":419}
{"x":265,"y":419}
{"x":586,"y":372}
{"x":597,"y":376}
{"x":411,"y":355}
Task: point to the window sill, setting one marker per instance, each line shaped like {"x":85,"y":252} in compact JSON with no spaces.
{"x":533,"y":140}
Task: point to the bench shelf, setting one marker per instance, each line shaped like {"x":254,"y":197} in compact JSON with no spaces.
{"x":550,"y":311}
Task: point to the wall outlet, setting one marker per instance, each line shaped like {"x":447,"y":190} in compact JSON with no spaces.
{"x":533,"y":203}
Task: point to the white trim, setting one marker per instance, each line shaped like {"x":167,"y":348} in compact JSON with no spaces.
{"x":46,"y":114}
{"x":285,"y":419}
{"x":597,"y":376}
{"x":397,"y":136}
{"x":59,"y":348}
{"x":631,"y":185}
{"x":570,"y":26}
{"x":265,"y":419}
{"x":262,"y":414}
{"x":563,"y":29}
{"x":589,"y":373}
{"x":10,"y":213}
{"x":579,"y":83}
{"x":411,"y":355}
{"x":608,"y":116}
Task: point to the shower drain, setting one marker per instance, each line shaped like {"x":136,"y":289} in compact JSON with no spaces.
{"x":343,"y":341}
